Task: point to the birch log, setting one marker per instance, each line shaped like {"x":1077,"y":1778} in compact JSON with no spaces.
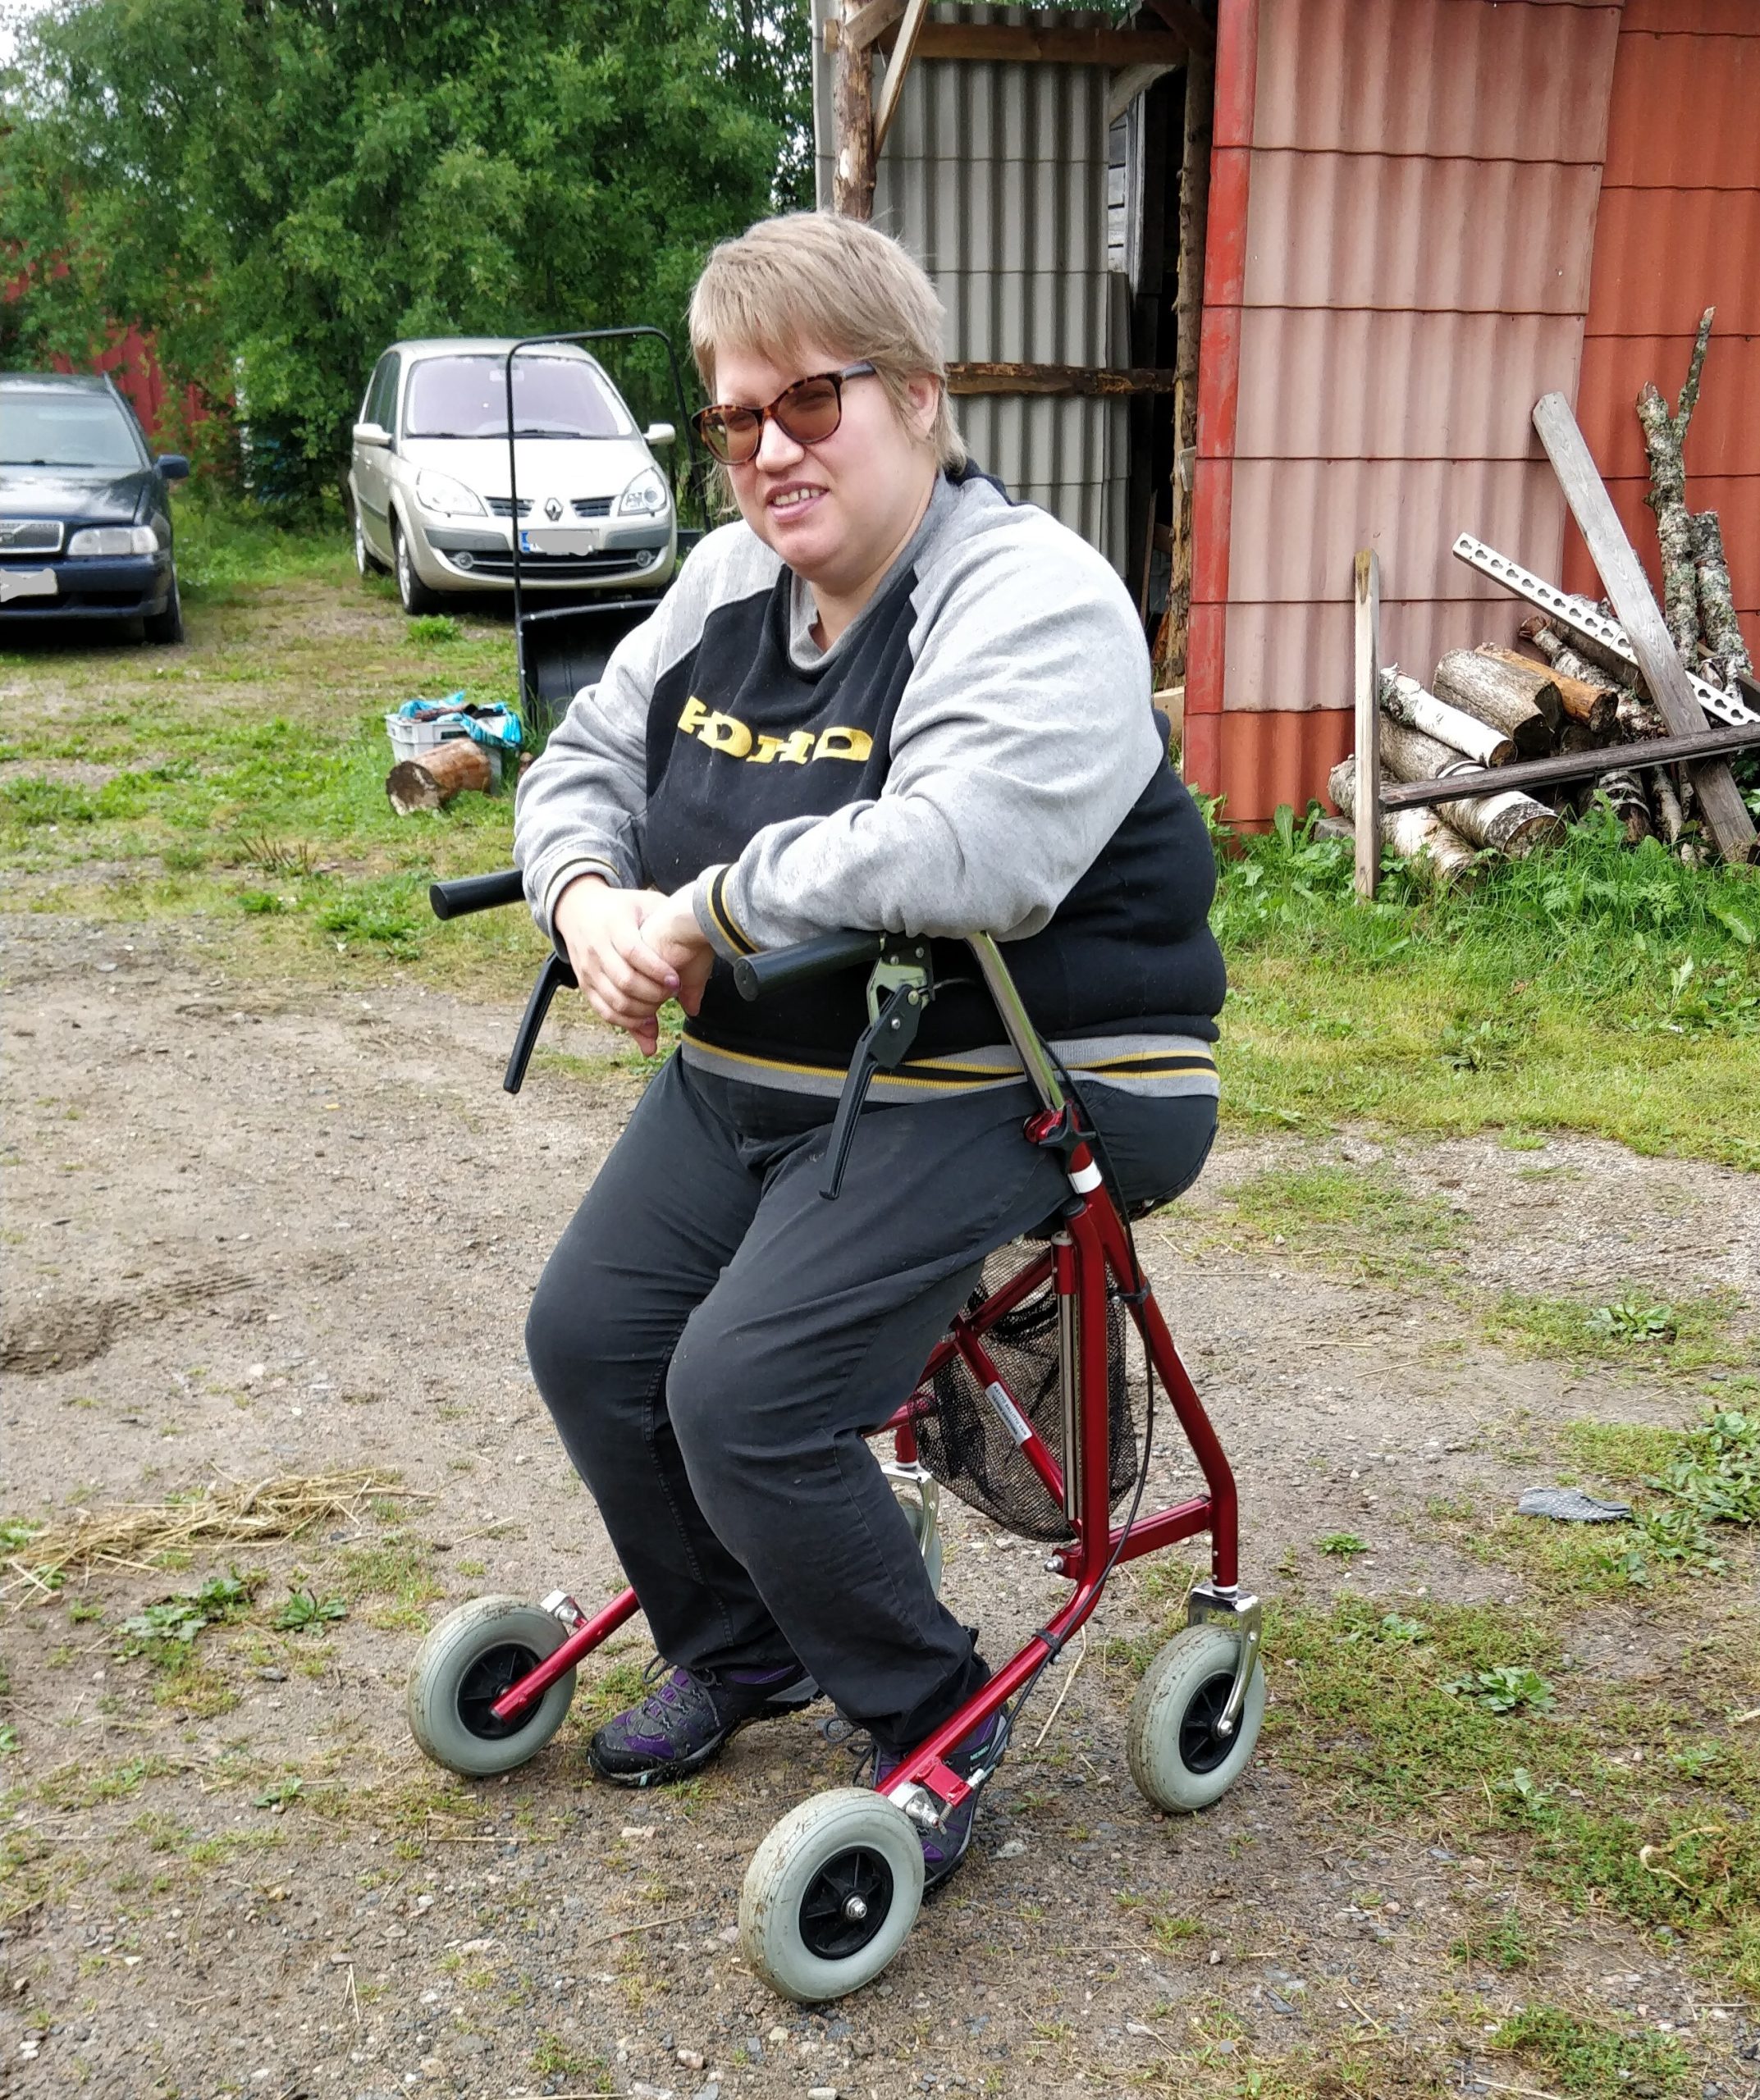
{"x":1523,"y":705}
{"x":1416,"y":835}
{"x":1669,"y":813}
{"x":430,"y":781}
{"x":1513,"y":823}
{"x":1665,"y":438}
{"x":1403,"y":700}
{"x":1723,"y":632}
{"x":1592,"y":702}
{"x":1625,"y":793}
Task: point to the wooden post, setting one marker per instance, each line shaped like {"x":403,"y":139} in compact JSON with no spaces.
{"x":1194,"y":214}
{"x":1726,"y":818}
{"x":852,"y":106}
{"x":897,"y":66}
{"x":1368,"y":783}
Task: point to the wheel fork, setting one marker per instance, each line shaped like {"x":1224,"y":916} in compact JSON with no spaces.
{"x":1223,"y":1604}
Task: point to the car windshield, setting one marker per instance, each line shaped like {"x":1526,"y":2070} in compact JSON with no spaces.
{"x":65,"y":429}
{"x":553,"y":397}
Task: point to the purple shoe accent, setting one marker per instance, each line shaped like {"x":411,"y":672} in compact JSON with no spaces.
{"x":943,"y":1849}
{"x":684,"y":1720}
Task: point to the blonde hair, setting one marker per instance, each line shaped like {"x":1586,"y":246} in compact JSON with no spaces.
{"x":813,"y":278}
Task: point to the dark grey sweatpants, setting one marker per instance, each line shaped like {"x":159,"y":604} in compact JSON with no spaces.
{"x":713,"y":1337}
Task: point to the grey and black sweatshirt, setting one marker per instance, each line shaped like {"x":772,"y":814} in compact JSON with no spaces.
{"x":976,"y":752}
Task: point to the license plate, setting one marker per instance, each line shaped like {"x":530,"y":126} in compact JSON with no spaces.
{"x":558,"y":540}
{"x":28,"y":583}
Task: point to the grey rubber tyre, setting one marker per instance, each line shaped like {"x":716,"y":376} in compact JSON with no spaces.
{"x":1177,"y":1760}
{"x":830,"y":1895}
{"x":413,"y":594}
{"x":464,"y":1666}
{"x":165,"y":628}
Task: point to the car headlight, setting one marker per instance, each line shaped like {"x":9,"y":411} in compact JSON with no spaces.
{"x":451,"y":499}
{"x":645,"y":497}
{"x":114,"y":540}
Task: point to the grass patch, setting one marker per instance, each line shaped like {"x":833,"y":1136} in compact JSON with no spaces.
{"x":394,"y":1576}
{"x":1582,"y":2056}
{"x":1552,"y":995}
{"x":1483,"y":1727}
{"x":1354,"y":1219}
{"x":1690,"y":1334}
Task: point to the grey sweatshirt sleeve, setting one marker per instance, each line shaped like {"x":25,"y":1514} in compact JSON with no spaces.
{"x":1023,"y":737}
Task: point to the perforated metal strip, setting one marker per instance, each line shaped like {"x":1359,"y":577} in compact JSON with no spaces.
{"x":1583,"y":617}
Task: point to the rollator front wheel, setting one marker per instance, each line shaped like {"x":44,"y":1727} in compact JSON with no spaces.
{"x":1178,"y":1760}
{"x":830,"y":1895}
{"x":464,"y":1666}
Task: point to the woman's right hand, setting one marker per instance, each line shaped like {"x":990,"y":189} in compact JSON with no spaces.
{"x":626,"y":983}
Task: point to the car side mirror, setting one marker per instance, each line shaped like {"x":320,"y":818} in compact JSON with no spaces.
{"x":372,"y":434}
{"x":173,"y":466}
{"x":659,"y":434}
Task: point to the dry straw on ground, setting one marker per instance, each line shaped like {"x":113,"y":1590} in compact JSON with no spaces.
{"x":221,"y":1514}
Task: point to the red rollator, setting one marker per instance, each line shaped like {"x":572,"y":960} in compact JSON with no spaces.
{"x":1023,"y":1411}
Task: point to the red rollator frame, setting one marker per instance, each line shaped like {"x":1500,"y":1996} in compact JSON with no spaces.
{"x":830,"y":1895}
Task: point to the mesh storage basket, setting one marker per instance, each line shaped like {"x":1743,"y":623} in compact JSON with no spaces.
{"x":967,"y":1445}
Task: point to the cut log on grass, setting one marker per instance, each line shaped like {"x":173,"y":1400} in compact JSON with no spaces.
{"x":430,"y":781}
{"x":1523,"y":703}
{"x":1507,"y":823}
{"x":1665,"y":438}
{"x":1404,"y":700}
{"x":1416,"y":835}
{"x":1670,"y":818}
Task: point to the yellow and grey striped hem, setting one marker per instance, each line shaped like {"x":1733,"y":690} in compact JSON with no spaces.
{"x":726,"y":924}
{"x":1142,"y":1064}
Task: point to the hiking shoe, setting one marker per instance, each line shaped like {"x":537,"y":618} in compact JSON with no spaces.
{"x":686,"y":1720}
{"x":945,"y":1848}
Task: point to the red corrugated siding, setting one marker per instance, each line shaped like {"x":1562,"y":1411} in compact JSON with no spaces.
{"x":1417,"y":266}
{"x":1679,"y":230}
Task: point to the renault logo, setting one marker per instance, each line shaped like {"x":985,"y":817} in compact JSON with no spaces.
{"x":552,"y":507}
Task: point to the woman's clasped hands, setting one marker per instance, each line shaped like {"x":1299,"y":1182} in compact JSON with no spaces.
{"x":631,"y":950}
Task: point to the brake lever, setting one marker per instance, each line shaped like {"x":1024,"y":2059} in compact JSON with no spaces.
{"x":555,"y":976}
{"x":884,"y":1045}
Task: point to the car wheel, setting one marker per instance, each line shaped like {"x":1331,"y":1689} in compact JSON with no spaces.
{"x":366,"y":561}
{"x":166,"y":627}
{"x":413,"y":594}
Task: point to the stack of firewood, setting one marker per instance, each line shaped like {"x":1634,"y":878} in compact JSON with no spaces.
{"x":1489,"y":706}
{"x":1589,"y":681}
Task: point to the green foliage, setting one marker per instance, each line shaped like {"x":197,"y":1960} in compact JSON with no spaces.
{"x":1504,"y":1690}
{"x":1548,"y":993}
{"x":304,"y":1610}
{"x":163,"y":1629}
{"x":1716,"y":1475}
{"x":1630,"y":1320}
{"x":1342,"y":1545}
{"x":277,"y":193}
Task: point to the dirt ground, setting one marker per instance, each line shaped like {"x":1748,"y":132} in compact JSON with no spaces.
{"x":253,"y":1232}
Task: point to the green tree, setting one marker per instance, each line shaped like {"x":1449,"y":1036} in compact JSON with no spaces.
{"x":276,"y":188}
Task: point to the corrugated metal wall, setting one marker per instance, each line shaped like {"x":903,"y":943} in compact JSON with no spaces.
{"x":995,"y":177}
{"x":1678,"y":230}
{"x":1420,"y":178}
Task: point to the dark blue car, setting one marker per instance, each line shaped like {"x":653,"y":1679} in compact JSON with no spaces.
{"x":85,"y":526}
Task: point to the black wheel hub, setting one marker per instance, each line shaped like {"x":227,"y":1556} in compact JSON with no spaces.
{"x":494,"y":1672}
{"x":1201,"y":1748}
{"x":846,"y":1904}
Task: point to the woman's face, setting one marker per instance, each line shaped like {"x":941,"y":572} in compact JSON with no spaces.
{"x":838,"y":510}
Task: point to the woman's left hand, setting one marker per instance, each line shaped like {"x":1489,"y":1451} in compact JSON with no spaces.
{"x":671,"y":930}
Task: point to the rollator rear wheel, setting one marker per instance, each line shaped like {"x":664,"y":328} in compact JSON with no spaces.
{"x":1179,"y":1762}
{"x":830,"y":1895}
{"x":464,"y":1666}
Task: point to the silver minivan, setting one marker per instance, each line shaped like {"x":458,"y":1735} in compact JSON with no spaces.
{"x":428,"y":475}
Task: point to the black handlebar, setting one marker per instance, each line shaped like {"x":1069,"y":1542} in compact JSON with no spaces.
{"x":756,"y":974}
{"x":468,"y":893}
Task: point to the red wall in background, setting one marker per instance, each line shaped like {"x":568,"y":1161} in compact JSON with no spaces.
{"x":1678,"y":231}
{"x":131,"y":362}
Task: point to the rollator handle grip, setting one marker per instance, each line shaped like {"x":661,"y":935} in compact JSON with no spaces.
{"x":778,"y":968}
{"x":468,"y":893}
{"x":555,"y":976}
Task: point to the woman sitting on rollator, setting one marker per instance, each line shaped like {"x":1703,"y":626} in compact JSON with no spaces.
{"x":887,"y":697}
